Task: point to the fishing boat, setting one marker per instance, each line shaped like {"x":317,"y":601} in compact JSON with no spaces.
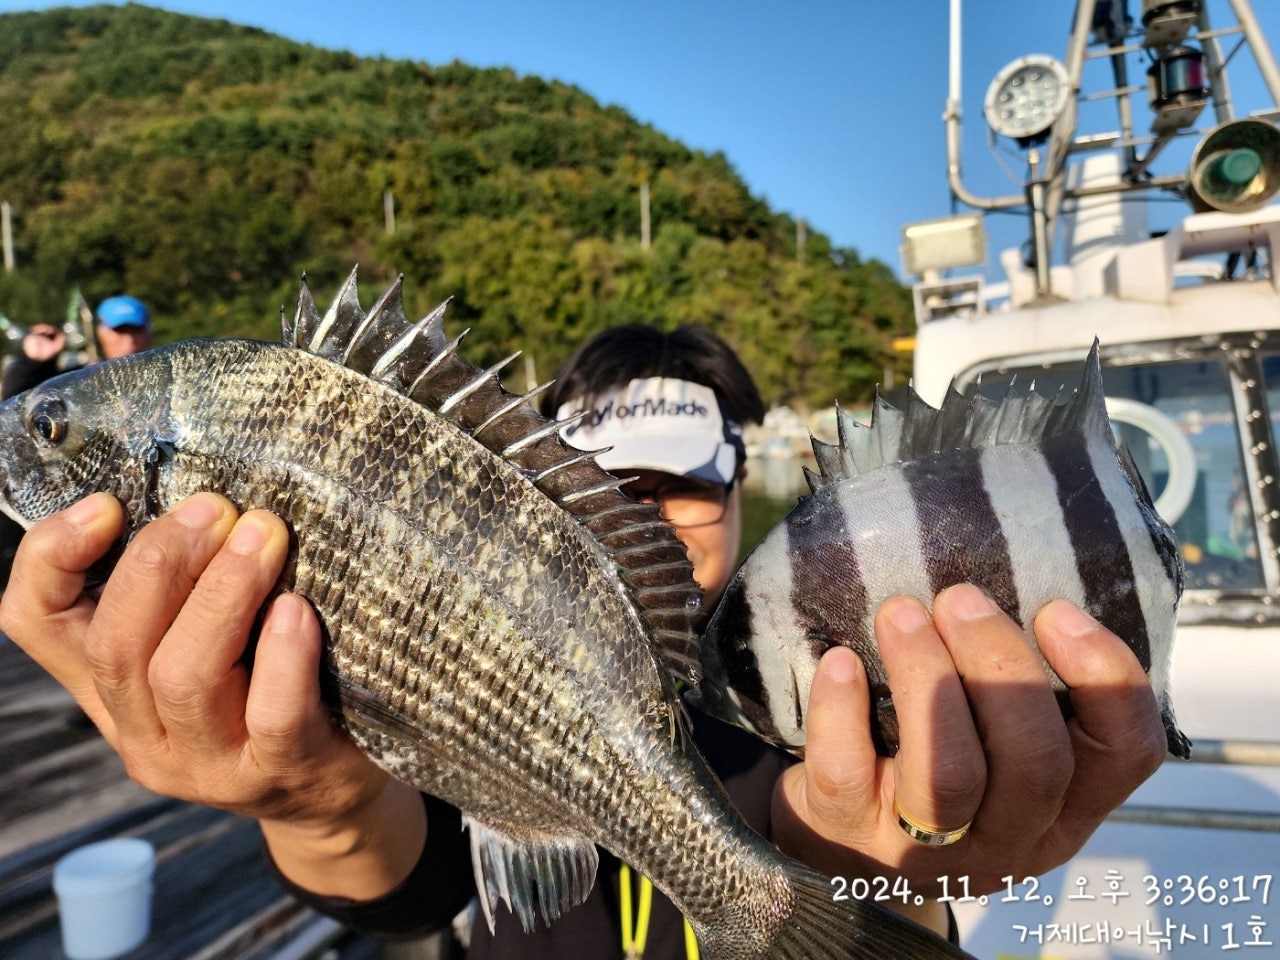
{"x":1188,"y":316}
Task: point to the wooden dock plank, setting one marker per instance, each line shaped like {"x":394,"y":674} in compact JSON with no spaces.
{"x":62,"y":786}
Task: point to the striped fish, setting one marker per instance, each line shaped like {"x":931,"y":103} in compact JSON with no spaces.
{"x":1027,"y":497}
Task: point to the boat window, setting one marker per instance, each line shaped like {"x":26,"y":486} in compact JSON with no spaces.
{"x":1270,"y":364}
{"x":1188,"y":406}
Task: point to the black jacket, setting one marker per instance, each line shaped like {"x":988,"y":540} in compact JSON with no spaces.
{"x":442,"y":883}
{"x":22,"y":373}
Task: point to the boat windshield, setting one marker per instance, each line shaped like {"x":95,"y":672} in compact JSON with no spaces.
{"x":1180,"y":416}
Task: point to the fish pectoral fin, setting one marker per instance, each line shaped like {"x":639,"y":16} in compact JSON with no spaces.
{"x":373,"y":711}
{"x":534,"y":870}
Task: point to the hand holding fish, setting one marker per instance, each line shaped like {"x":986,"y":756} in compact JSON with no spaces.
{"x":982,"y":742}
{"x":160,"y":672}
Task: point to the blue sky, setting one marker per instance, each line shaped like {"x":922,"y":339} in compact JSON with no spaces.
{"x":829,"y":109}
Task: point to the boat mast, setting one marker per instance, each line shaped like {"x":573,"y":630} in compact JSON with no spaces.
{"x":1049,"y":149}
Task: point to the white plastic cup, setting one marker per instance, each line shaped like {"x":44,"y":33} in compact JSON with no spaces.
{"x":104,"y":898}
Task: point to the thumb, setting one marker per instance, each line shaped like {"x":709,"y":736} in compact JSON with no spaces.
{"x":833,"y":796}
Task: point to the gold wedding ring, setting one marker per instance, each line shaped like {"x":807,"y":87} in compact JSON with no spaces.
{"x":930,"y":836}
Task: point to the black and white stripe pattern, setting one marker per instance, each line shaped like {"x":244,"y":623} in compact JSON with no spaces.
{"x":1050,"y":517}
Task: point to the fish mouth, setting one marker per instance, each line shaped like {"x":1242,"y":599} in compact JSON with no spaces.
{"x":6,"y":506}
{"x":13,"y":514}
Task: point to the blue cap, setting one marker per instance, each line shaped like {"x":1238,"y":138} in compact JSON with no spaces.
{"x":117,"y":312}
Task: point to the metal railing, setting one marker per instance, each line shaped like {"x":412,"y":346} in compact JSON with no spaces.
{"x":1255,"y":753}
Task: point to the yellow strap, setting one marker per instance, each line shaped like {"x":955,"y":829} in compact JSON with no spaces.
{"x":690,"y":942}
{"x":628,"y":937}
{"x":636,"y":935}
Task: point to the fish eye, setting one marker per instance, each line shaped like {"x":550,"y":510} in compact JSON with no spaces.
{"x":48,"y":420}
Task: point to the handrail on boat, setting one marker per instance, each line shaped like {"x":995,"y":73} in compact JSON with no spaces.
{"x":1253,"y":753}
{"x":1203,"y":818}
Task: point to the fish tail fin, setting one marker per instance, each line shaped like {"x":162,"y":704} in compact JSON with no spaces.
{"x":823,"y":927}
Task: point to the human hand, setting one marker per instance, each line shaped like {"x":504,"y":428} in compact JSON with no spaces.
{"x":982,"y":740}
{"x":156,"y":663}
{"x":43,"y":342}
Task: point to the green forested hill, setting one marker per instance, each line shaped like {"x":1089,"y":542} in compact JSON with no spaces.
{"x":204,"y":166}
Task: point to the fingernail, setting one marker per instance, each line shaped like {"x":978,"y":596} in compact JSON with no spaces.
{"x":249,"y":535}
{"x":286,"y":614}
{"x":967,"y":602}
{"x":906,"y":614}
{"x":199,"y":512}
{"x":1070,"y":619}
{"x":841,"y":664}
{"x":85,"y":512}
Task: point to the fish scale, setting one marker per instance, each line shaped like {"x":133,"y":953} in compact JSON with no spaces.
{"x":503,"y":627}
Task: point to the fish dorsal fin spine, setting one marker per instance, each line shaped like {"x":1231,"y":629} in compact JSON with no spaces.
{"x":373,"y":336}
{"x":963,"y":421}
{"x":512,"y":404}
{"x":414,"y":359}
{"x":305,"y":320}
{"x":529,"y":439}
{"x":339,"y":322}
{"x":565,"y":464}
{"x":386,"y":368}
{"x":481,"y":378}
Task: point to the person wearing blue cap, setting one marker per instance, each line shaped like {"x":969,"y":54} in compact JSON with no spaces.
{"x":124,"y":327}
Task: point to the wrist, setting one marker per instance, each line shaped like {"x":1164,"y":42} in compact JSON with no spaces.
{"x":360,"y":855}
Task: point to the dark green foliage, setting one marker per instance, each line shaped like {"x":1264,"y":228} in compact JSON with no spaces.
{"x":204,"y":166}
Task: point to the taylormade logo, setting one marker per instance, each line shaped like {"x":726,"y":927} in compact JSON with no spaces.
{"x":649,"y":407}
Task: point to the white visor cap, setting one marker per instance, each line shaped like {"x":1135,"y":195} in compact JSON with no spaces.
{"x":658,"y":423}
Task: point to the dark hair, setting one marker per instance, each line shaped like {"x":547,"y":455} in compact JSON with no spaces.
{"x":619,"y":355}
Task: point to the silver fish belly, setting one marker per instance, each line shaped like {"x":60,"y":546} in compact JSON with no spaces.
{"x":1028,"y":498}
{"x":502,"y":623}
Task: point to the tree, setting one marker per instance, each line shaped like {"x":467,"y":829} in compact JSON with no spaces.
{"x":204,"y":166}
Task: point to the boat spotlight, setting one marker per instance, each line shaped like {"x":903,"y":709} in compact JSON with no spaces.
{"x":1026,"y":98}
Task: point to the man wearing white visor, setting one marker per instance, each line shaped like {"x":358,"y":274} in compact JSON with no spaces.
{"x":662,"y":423}
{"x":681,"y":442}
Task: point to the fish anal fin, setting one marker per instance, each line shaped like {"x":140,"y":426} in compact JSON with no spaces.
{"x":529,"y":871}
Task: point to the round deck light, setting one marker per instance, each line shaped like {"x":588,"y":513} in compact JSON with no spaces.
{"x":1027,"y":97}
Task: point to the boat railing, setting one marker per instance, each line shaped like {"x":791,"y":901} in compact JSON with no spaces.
{"x":1203,"y":818}
{"x":1194,"y":252}
{"x":1255,"y":753}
